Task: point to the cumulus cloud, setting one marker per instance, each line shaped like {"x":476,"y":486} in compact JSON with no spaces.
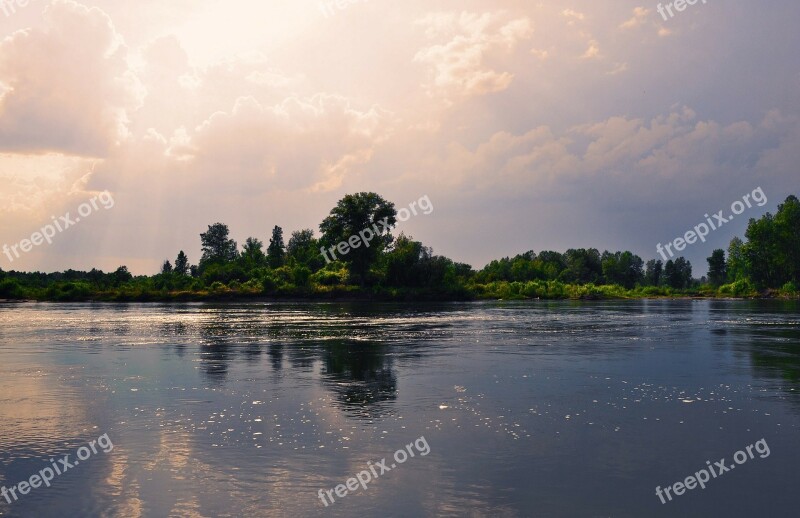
{"x":570,"y":128}
{"x":69,"y":85}
{"x":459,"y":66}
{"x":673,"y":153}
{"x":573,"y":16}
{"x":639,"y":17}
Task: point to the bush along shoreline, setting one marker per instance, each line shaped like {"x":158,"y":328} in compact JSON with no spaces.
{"x":766,"y":264}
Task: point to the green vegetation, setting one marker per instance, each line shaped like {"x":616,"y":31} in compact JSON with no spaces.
{"x":399,"y":268}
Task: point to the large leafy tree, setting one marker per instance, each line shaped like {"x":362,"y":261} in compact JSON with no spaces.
{"x":253,"y":253}
{"x":654,"y":274}
{"x":678,"y":273}
{"x":303,"y":249}
{"x":772,"y":251}
{"x":361,"y":214}
{"x":411,"y":264}
{"x":551,"y":264}
{"x":121,"y":275}
{"x":623,"y":268}
{"x":583,"y":266}
{"x":787,"y":223}
{"x":761,"y":251}
{"x":217,"y":247}
{"x":737,"y":262}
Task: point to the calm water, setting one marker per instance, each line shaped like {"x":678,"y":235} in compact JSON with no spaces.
{"x":528,"y":409}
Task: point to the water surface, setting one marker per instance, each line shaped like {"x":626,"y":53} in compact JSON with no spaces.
{"x":529,"y":409}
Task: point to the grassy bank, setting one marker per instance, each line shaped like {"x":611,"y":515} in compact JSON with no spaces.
{"x":500,"y":290}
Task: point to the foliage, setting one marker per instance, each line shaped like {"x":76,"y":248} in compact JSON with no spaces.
{"x":717,"y":270}
{"x":359,"y":215}
{"x":767,"y":262}
{"x":276,"y":253}
{"x":217,"y":247}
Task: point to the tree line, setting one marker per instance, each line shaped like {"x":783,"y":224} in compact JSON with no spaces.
{"x":767,"y":261}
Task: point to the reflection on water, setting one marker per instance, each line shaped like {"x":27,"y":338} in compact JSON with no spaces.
{"x":530,"y":409}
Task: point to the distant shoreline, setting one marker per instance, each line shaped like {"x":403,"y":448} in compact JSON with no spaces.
{"x":239,"y":298}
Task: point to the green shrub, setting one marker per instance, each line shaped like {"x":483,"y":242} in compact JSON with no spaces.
{"x":330,"y":277}
{"x":253,"y":286}
{"x":740,"y":288}
{"x":301,"y":275}
{"x":656,"y":291}
{"x":11,"y":290}
{"x":218,"y":287}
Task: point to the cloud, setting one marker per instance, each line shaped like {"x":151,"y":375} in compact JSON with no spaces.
{"x":70,"y":88}
{"x":541,"y":54}
{"x":619,"y":68}
{"x":573,"y":16}
{"x":568,"y":126}
{"x":639,"y":17}
{"x":459,"y":65}
{"x":672,"y":154}
{"x":593,"y":51}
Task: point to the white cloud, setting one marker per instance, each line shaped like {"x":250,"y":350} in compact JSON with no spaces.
{"x":639,"y":17}
{"x":458,"y":66}
{"x":56,"y":103}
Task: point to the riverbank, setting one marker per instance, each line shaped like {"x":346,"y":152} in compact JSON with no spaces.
{"x":494,"y":291}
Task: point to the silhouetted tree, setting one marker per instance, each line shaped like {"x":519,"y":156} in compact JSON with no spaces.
{"x":717,"y":272}
{"x":678,"y":273}
{"x":623,"y":268}
{"x":121,"y":276}
{"x":276,"y":253}
{"x":181,"y":264}
{"x":217,"y":247}
{"x":166,"y":268}
{"x":654,"y":274}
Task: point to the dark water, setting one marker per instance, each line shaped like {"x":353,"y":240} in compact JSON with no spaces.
{"x":527,"y":409}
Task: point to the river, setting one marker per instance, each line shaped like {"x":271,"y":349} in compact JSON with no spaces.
{"x":501,"y":408}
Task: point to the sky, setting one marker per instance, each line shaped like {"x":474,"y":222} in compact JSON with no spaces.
{"x":529,"y":125}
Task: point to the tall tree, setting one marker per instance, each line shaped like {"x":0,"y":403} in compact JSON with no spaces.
{"x":121,"y":275}
{"x":787,"y":223}
{"x":623,"y":268}
{"x":678,"y":273}
{"x":654,"y":273}
{"x":717,"y":271}
{"x":761,"y":252}
{"x":166,"y":268}
{"x":357,"y":230}
{"x":217,"y":246}
{"x":276,"y":253}
{"x":303,"y":249}
{"x":737,"y":261}
{"x":583,"y":266}
{"x":182,"y":264}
